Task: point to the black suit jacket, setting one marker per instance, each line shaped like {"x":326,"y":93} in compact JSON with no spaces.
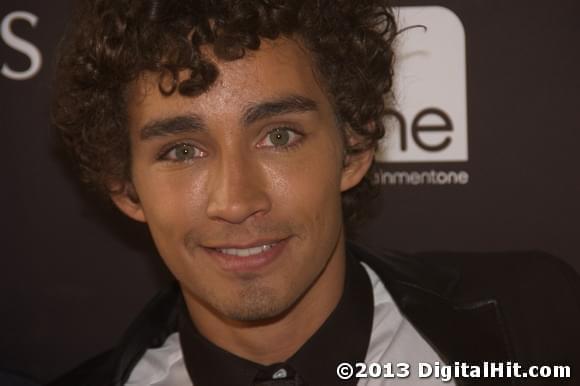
{"x":471,"y":307}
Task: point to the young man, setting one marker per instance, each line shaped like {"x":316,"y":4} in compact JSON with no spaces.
{"x":242,"y":133}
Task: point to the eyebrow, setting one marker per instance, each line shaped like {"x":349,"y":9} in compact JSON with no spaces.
{"x":171,"y":126}
{"x":252,"y":113}
{"x":284,"y":105}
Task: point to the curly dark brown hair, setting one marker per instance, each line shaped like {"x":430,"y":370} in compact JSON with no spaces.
{"x":111,"y":42}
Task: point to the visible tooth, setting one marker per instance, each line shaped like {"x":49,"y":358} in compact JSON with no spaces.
{"x":245,"y":251}
{"x":255,"y":250}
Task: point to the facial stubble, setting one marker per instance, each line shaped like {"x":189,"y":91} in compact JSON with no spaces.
{"x":251,"y":300}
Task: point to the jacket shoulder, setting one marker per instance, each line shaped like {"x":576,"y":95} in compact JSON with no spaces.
{"x":536,"y":296}
{"x":149,"y":329}
{"x":89,"y":373}
{"x":515,"y":273}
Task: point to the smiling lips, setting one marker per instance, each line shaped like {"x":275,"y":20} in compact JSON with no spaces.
{"x":250,"y":258}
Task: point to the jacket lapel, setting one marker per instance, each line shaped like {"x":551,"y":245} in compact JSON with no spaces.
{"x":470,"y":332}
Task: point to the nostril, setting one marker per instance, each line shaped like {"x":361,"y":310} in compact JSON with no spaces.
{"x":237,"y":207}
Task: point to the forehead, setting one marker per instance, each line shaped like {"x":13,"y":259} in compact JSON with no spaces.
{"x":279,"y":68}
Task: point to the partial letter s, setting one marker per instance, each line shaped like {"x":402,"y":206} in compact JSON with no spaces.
{"x":20,"y":45}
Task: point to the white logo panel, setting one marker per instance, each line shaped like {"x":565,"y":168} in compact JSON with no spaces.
{"x":429,"y":119}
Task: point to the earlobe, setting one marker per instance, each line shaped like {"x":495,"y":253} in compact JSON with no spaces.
{"x":126,"y":199}
{"x":355,"y":168}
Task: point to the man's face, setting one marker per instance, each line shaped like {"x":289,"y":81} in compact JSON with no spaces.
{"x":241,"y":186}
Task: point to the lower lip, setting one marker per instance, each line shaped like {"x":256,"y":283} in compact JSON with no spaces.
{"x":256,"y":262}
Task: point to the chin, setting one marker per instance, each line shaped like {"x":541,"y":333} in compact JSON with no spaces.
{"x":256,"y":304}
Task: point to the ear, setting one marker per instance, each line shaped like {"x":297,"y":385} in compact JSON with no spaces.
{"x":355,"y":168}
{"x":125,"y":198}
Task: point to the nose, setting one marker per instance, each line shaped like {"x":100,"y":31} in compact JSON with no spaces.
{"x":238,"y":189}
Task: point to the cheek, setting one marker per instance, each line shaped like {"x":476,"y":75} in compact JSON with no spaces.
{"x":172,"y":203}
{"x":308,"y":191}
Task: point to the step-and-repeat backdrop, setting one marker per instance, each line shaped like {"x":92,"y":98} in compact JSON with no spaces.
{"x":483,"y":154}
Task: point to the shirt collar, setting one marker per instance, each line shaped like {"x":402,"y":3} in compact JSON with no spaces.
{"x":343,"y":337}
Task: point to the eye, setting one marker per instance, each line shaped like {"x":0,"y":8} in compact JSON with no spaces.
{"x":182,"y":152}
{"x":280,"y":137}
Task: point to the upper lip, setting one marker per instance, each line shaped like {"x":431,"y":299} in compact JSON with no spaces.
{"x":246,"y":245}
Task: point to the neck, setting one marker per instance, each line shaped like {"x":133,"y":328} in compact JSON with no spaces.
{"x":275,"y":340}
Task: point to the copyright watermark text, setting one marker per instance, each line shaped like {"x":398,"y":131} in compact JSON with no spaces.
{"x":445,"y":372}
